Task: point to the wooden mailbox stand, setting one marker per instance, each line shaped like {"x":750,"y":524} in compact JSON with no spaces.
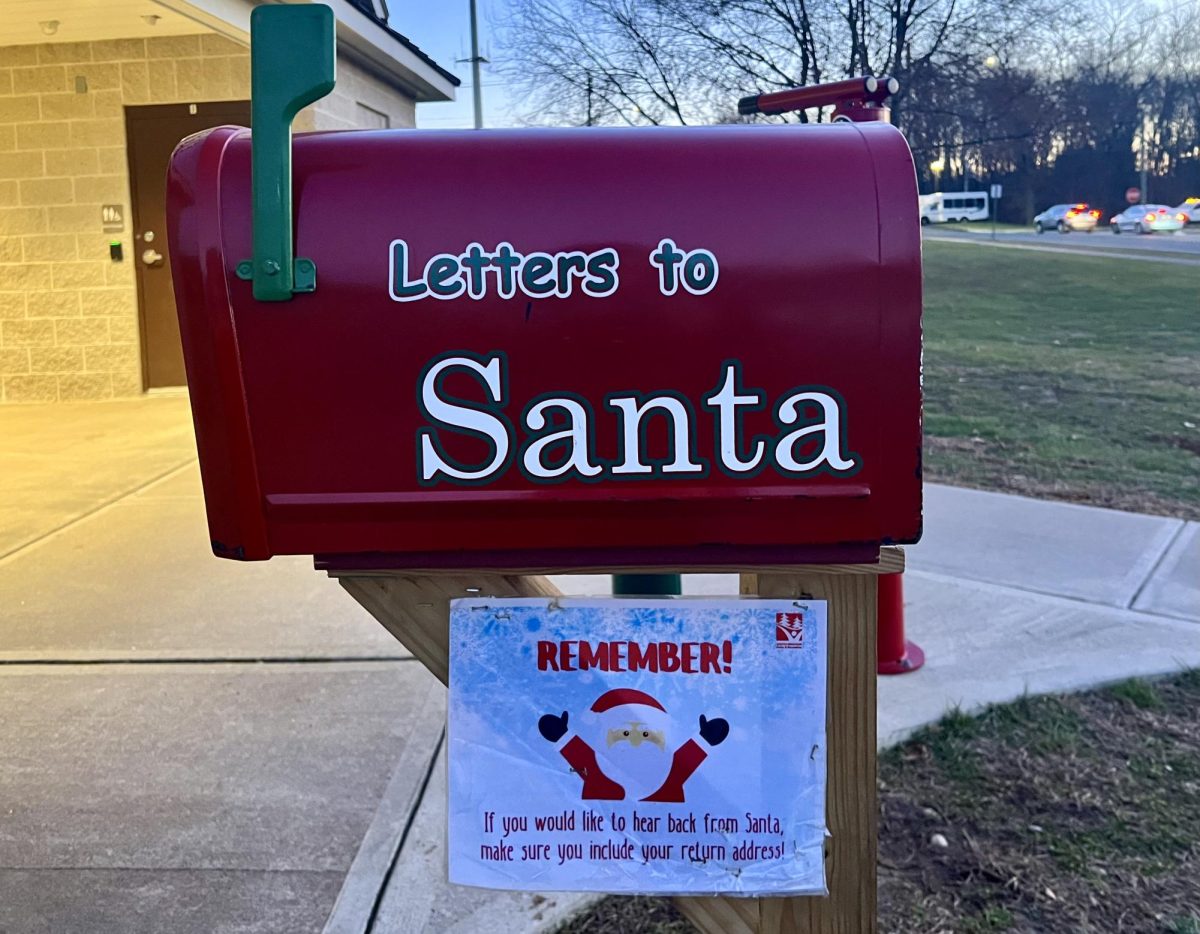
{"x":414,"y":607}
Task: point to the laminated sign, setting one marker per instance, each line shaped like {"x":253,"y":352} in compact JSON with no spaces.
{"x":630,"y":745}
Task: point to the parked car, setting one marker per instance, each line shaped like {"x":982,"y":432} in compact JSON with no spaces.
{"x":1148,"y":218}
{"x":1067,"y":217}
{"x":1191,"y":208}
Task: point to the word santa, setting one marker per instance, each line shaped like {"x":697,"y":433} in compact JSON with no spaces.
{"x":631,"y":730}
{"x":560,"y":430}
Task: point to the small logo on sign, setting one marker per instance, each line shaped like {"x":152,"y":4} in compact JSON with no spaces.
{"x":789,"y":630}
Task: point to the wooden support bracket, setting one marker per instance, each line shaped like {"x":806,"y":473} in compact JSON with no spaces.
{"x":414,"y":607}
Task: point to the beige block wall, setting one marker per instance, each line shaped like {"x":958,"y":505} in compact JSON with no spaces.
{"x":68,"y":314}
{"x":357,"y":97}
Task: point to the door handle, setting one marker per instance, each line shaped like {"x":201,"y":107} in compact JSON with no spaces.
{"x":152,"y":257}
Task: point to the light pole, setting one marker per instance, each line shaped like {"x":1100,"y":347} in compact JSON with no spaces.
{"x":476,"y":60}
{"x":936,"y":167}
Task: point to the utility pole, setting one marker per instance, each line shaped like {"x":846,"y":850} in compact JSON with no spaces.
{"x":476,"y":60}
{"x":1143,"y":160}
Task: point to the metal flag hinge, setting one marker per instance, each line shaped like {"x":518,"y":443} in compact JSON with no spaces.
{"x":293,"y":57}
{"x":304,"y":276}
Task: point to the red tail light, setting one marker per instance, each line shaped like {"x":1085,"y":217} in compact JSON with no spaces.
{"x":1095,"y":214}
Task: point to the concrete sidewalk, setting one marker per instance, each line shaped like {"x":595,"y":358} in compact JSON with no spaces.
{"x":199,"y":745}
{"x":1009,"y":595}
{"x":186,"y":744}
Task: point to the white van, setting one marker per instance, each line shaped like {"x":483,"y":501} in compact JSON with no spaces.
{"x":940,"y":207}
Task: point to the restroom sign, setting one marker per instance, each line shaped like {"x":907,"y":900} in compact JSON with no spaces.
{"x":112,"y":218}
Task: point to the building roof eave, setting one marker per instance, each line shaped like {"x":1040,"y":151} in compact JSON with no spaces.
{"x":370,"y":42}
{"x":392,"y":54}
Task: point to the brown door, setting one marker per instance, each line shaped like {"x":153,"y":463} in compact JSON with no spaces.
{"x":152,"y":133}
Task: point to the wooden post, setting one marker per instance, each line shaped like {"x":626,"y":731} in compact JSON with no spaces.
{"x":414,"y":607}
{"x":851,"y":849}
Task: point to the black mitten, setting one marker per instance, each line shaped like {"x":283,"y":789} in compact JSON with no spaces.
{"x":712,"y":731}
{"x":555,"y":728}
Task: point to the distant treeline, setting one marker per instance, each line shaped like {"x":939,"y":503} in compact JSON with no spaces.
{"x":1058,"y":101}
{"x":1049,"y":140}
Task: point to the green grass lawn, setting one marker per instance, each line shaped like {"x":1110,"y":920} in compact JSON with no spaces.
{"x":1068,"y":377}
{"x":1066,"y":813}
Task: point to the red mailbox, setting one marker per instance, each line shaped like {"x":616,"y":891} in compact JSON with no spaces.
{"x":672,"y":347}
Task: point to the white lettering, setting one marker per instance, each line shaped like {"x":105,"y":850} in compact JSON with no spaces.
{"x":475,"y":421}
{"x":556,"y":438}
{"x":506,"y":271}
{"x":576,"y":434}
{"x":631,"y":425}
{"x":696,"y":270}
{"x":829,"y":426}
{"x":726,"y":401}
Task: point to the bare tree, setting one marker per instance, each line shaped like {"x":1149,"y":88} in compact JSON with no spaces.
{"x":686,"y":61}
{"x":601,"y":61}
{"x":1054,"y":97}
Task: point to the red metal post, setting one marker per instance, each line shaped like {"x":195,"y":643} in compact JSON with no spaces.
{"x":895,"y":654}
{"x":859,"y":100}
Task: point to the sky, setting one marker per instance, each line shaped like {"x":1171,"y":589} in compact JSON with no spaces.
{"x":442,"y":29}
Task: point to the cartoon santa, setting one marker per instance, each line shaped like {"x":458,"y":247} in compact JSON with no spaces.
{"x":631,"y":731}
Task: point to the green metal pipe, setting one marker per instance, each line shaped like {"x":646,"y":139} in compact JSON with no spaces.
{"x":647,"y":585}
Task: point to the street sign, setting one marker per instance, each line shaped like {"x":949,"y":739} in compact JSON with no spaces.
{"x":596,"y":351}
{"x":625,"y":745}
{"x":1133,"y":195}
{"x":997,"y":191}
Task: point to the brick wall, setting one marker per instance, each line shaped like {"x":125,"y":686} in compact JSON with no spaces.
{"x":68,"y":314}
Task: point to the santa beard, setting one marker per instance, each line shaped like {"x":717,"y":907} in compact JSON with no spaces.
{"x":640,"y":770}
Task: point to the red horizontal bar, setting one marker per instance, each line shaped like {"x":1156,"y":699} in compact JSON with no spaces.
{"x":280,"y":503}
{"x":706,"y":558}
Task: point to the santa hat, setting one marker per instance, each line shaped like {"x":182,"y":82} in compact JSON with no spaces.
{"x":619,"y":697}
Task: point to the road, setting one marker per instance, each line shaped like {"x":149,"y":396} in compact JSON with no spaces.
{"x":1183,"y":248}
